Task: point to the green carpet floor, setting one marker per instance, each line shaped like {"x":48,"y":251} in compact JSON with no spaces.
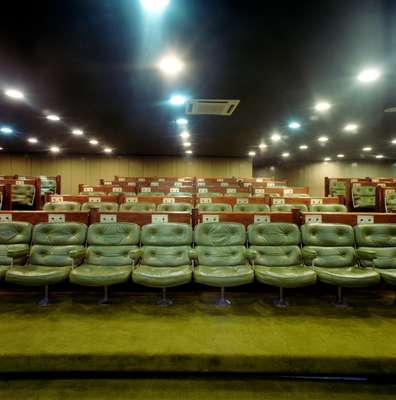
{"x":133,"y":334}
{"x":192,"y":389}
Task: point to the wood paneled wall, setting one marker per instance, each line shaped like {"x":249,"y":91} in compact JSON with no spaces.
{"x":78,"y":169}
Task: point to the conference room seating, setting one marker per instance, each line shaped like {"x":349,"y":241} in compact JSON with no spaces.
{"x":221,"y":256}
{"x":93,"y":193}
{"x":175,"y":207}
{"x":55,"y":249}
{"x":363,"y":196}
{"x":251,"y":208}
{"x":164,"y":258}
{"x":62,"y":206}
{"x":390,"y":201}
{"x":214,"y":207}
{"x":137,"y":207}
{"x":151,"y":194}
{"x":337,"y":188}
{"x":101,"y":205}
{"x":209,"y":194}
{"x":278,"y":260}
{"x":23,"y":194}
{"x":107,"y":259}
{"x":327,"y":208}
{"x":48,"y":185}
{"x":288,"y":207}
{"x":329,"y":249}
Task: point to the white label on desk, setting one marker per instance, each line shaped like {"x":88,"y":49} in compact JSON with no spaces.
{"x":168,"y":200}
{"x":174,"y":190}
{"x":161,"y":179}
{"x":262,"y":219}
{"x":131,"y":183}
{"x":5,"y":217}
{"x":56,"y":199}
{"x":94,"y":199}
{"x":202,"y":190}
{"x":316,"y":201}
{"x":270,"y":184}
{"x":18,"y":182}
{"x":121,"y":179}
{"x":159,"y":218}
{"x":242,"y":201}
{"x":278,"y":202}
{"x":365,"y":219}
{"x":141,"y":180}
{"x":131,"y":199}
{"x":178,"y":184}
{"x":56,"y":218}
{"x":145,"y":190}
{"x":219,"y":180}
{"x":287,"y":191}
{"x":205,"y":200}
{"x":108,"y":218}
{"x":108,"y":182}
{"x":259,"y":191}
{"x":117,"y":189}
{"x":88,"y":189}
{"x":259,"y":180}
{"x":313,"y":219}
{"x":231,"y":190}
{"x":210,"y":218}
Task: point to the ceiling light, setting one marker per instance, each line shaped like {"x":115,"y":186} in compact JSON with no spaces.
{"x":1,"y":148}
{"x":185,"y":135}
{"x":77,"y":132}
{"x":5,"y":129}
{"x":154,"y":5}
{"x":54,"y":149}
{"x":322,"y":106}
{"x":262,"y":146}
{"x":379,"y":156}
{"x":303,"y":147}
{"x":294,"y":125}
{"x":286,"y":154}
{"x":171,"y":65}
{"x":368,"y":148}
{"x":186,"y":144}
{"x":340,"y":155}
{"x":53,"y":117}
{"x":177,"y":100}
{"x":369,"y":75}
{"x":107,"y":150}
{"x":393,"y":141}
{"x":32,"y":140}
{"x":323,"y":139}
{"x":327,"y":159}
{"x":251,"y":153}
{"x":182,"y":121}
{"x":188,"y":151}
{"x":94,"y":142}
{"x":14,"y":94}
{"x":350,"y":127}
{"x":276,"y":137}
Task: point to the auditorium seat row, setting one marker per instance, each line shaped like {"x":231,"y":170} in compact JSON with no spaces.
{"x":181,"y":206}
{"x":223,"y":255}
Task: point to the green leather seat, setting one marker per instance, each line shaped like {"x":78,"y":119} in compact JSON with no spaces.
{"x":48,"y":186}
{"x":363,"y":196}
{"x":92,"y":194}
{"x":221,"y":256}
{"x":214,"y":207}
{"x":151,"y":194}
{"x":329,"y":248}
{"x":23,"y":194}
{"x":297,"y":195}
{"x":390,"y":201}
{"x":337,"y":188}
{"x":328,"y":208}
{"x":63,"y":206}
{"x":238,"y":194}
{"x":175,"y":207}
{"x":179,"y":194}
{"x":165,"y":257}
{"x":377,"y":249}
{"x":108,"y":256}
{"x":137,"y":207}
{"x":288,"y":207}
{"x":55,"y":249}
{"x":278,"y":259}
{"x":104,"y":206}
{"x":210,"y":194}
{"x":15,"y":238}
{"x":251,"y":208}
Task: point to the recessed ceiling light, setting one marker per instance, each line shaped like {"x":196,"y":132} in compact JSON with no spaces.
{"x":182,"y":121}
{"x":340,"y":155}
{"x":276,"y":137}
{"x":107,"y":150}
{"x":186,"y":144}
{"x":5,"y":129}
{"x":368,"y":148}
{"x":154,"y":5}
{"x":77,"y":132}
{"x":294,"y":125}
{"x":188,"y":151}
{"x":322,"y":106}
{"x":251,"y":153}
{"x":94,"y":142}
{"x":303,"y":147}
{"x":32,"y":140}
{"x":14,"y":94}
{"x":393,"y":141}
{"x":171,"y":65}
{"x":327,"y":159}
{"x":177,"y":100}
{"x":369,"y":75}
{"x":323,"y":139}
{"x":53,"y":117}
{"x":185,"y":135}
{"x":285,"y":154}
{"x":1,"y":148}
{"x":262,"y":146}
{"x":350,"y":127}
{"x":54,"y":149}
{"x":379,"y":156}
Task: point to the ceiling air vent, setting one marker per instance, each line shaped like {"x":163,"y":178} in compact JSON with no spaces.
{"x":211,"y":107}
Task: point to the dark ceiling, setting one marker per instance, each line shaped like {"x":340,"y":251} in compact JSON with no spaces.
{"x":93,"y":63}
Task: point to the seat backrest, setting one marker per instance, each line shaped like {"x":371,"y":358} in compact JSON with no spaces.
{"x":48,"y":186}
{"x":52,"y":243}
{"x":209,"y":194}
{"x":363,"y":196}
{"x":23,"y":194}
{"x":15,"y":232}
{"x":137,"y":207}
{"x":337,"y":188}
{"x":237,"y":194}
{"x":328,"y":208}
{"x":175,"y":207}
{"x":63,"y":206}
{"x":166,"y":245}
{"x":151,"y":194}
{"x":251,"y":207}
{"x":109,"y":244}
{"x":376,"y":235}
{"x":93,"y":193}
{"x":288,"y":207}
{"x":202,"y":207}
{"x":102,"y":205}
{"x":390,"y":201}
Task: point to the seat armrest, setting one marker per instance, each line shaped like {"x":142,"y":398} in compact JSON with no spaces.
{"x":366,"y":254}
{"x":193,"y":254}
{"x":135,"y":255}
{"x":250,"y":254}
{"x":309,"y":255}
{"x":77,"y":253}
{"x":13,"y":253}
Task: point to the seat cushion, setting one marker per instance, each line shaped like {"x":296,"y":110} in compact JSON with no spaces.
{"x":225,"y":276}
{"x":185,"y":207}
{"x":3,"y":270}
{"x":251,"y":208}
{"x":287,"y":277}
{"x":388,"y":275}
{"x":328,"y":208}
{"x":274,"y":234}
{"x":288,"y":207}
{"x":97,"y":275}
{"x":37,"y":275}
{"x":5,"y":260}
{"x":385,"y":257}
{"x":162,"y":277}
{"x":348,"y":276}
